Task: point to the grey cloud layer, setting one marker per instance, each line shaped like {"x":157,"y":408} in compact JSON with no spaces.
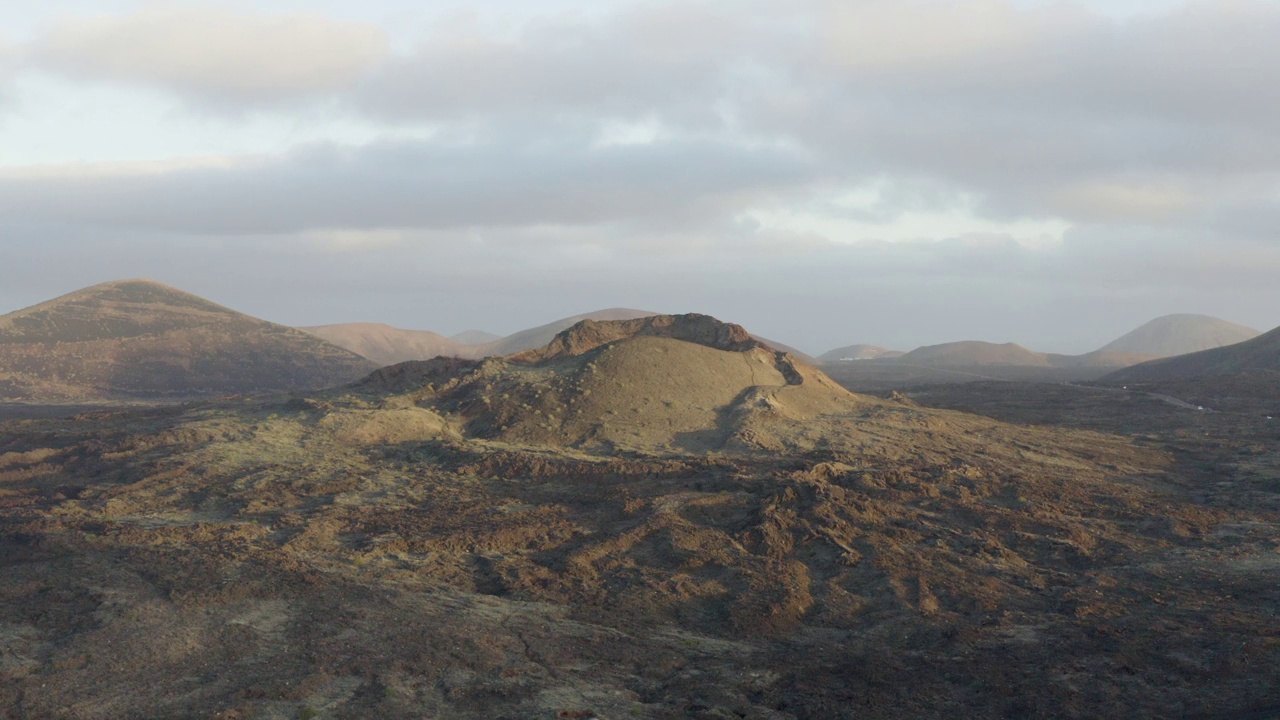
{"x":1155,"y":138}
{"x":1046,"y":113}
{"x":679,"y":61}
{"x":423,"y":184}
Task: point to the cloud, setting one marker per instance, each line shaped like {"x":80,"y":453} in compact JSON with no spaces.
{"x":920,"y":36}
{"x":1044,"y":111}
{"x":215,"y":55}
{"x":1052,"y":111}
{"x":1133,"y":200}
{"x":8,"y":66}
{"x":715,"y":156}
{"x":672,"y":60}
{"x":507,"y":181}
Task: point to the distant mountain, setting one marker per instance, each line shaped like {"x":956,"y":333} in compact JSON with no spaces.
{"x":475,"y":337}
{"x":858,"y":352}
{"x":1100,"y":359}
{"x":1180,"y":334}
{"x":387,"y":345}
{"x":975,"y":353}
{"x":971,"y":353}
{"x":141,"y":339}
{"x":1259,"y":357}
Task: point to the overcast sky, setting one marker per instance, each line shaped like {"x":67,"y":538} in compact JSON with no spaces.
{"x":825,"y":172}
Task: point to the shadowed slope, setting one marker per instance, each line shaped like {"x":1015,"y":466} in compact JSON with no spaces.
{"x":141,"y":339}
{"x":1260,"y":355}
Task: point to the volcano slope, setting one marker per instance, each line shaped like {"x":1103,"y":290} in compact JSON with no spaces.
{"x":658,"y":518}
{"x":138,"y":339}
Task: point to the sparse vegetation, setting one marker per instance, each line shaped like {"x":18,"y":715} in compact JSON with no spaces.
{"x":741,"y":546}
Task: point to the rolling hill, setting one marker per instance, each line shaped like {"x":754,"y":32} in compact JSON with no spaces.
{"x":137,"y":339}
{"x":1260,"y":356}
{"x":387,"y":345}
{"x":1163,"y":337}
{"x":1178,"y":335}
{"x":973,"y":353}
{"x":973,"y":361}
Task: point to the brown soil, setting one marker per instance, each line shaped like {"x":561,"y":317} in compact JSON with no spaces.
{"x":400,"y":548}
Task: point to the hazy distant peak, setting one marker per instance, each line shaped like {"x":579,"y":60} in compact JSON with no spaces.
{"x":1180,"y":334}
{"x":976,"y":352}
{"x":1261,"y":353}
{"x":858,"y":352}
{"x":386,"y":344}
{"x":475,"y":337}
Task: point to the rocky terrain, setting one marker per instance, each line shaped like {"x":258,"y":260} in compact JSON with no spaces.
{"x":139,"y":339}
{"x":657,"y":518}
{"x":537,"y":337}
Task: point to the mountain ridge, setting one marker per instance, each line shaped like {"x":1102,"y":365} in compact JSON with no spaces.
{"x":1260,"y":354}
{"x":135,"y":339}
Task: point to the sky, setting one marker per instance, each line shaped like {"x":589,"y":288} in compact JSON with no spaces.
{"x":824,"y":172}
